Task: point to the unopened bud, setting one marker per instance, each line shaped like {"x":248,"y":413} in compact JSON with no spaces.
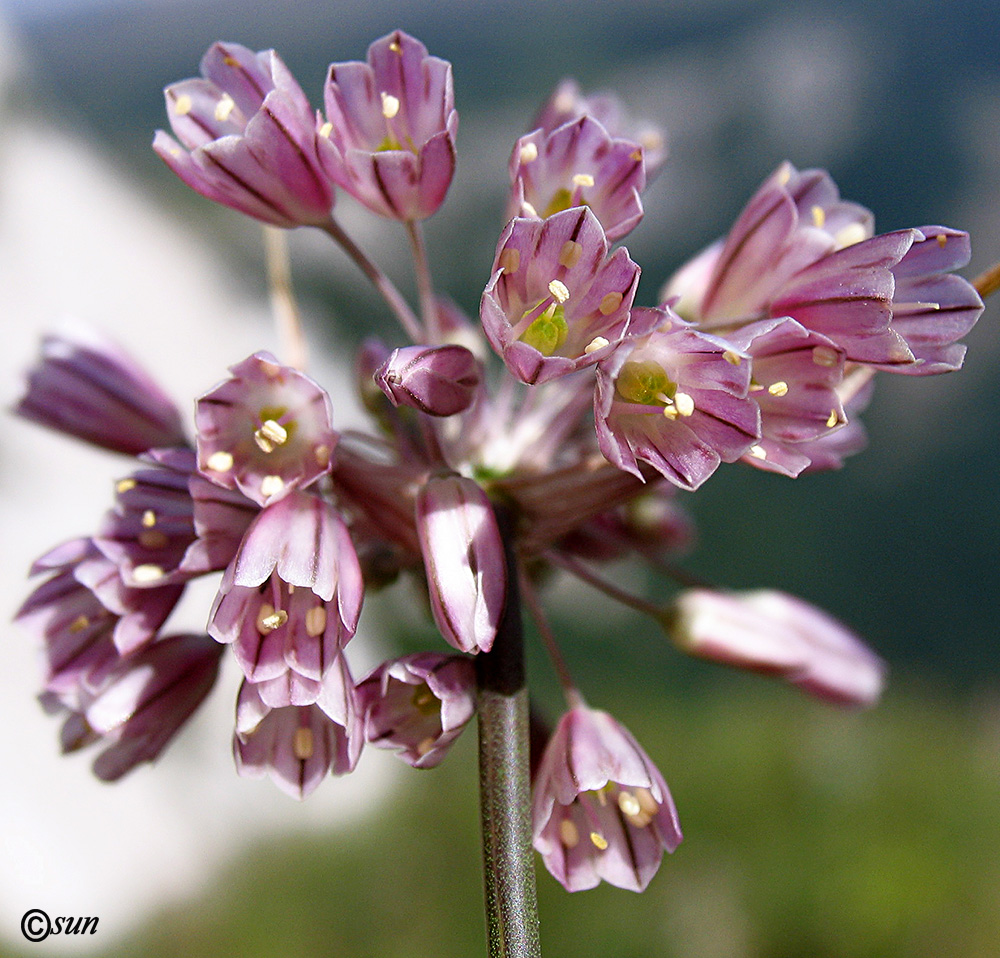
{"x":438,"y":380}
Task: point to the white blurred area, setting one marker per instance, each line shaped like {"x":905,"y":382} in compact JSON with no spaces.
{"x":78,"y":239}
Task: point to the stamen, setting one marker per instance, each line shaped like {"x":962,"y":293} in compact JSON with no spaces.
{"x":559,"y":291}
{"x":325,"y":130}
{"x":825,"y":356}
{"x":849,"y":235}
{"x":649,"y":804}
{"x":79,"y":623}
{"x":819,"y":216}
{"x":684,"y":404}
{"x":395,"y":47}
{"x":269,"y":435}
{"x":220,"y":461}
{"x":425,"y":746}
{"x":271,"y":486}
{"x":734,"y":359}
{"x":316,"y":621}
{"x":153,"y":539}
{"x":124,"y":485}
{"x":269,"y":619}
{"x":302,"y":743}
{"x":610,"y":303}
{"x":832,"y":419}
{"x":528,"y":210}
{"x":528,"y":153}
{"x":322,"y":455}
{"x":569,"y":834}
{"x":224,"y":108}
{"x":784,"y":174}
{"x":598,"y":342}
{"x":145,"y":574}
{"x":778,"y":389}
{"x":148,"y":519}
{"x":390,"y":105}
{"x":758,"y":452}
{"x":599,"y":841}
{"x":230,"y":61}
{"x":583,"y":179}
{"x":570,"y":254}
{"x":629,"y":804}
{"x":941,"y":240}
{"x":182,"y":105}
{"x":510,"y":260}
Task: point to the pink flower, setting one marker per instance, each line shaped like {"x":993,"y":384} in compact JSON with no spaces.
{"x":770,"y":631}
{"x":601,"y":809}
{"x":247,"y":138}
{"x":390,"y":136}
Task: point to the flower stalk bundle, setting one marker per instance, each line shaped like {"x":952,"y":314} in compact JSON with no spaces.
{"x":482,"y":475}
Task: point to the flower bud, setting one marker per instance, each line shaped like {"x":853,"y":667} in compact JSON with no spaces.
{"x":438,"y":380}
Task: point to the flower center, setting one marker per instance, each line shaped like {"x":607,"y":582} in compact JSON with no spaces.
{"x":548,"y":331}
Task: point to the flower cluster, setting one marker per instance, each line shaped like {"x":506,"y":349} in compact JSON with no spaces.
{"x":568,"y":455}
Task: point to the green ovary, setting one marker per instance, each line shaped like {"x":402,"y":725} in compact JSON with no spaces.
{"x":645,"y":383}
{"x":561,"y":200}
{"x":548,"y":332}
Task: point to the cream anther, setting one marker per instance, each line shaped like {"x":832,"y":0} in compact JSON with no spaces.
{"x":629,"y":804}
{"x":316,"y":621}
{"x":825,"y":356}
{"x":819,"y":216}
{"x":569,"y":834}
{"x":144,"y":574}
{"x":302,"y":743}
{"x":224,"y":108}
{"x":758,"y":452}
{"x":322,"y":455}
{"x":79,"y":623}
{"x":270,"y":434}
{"x":325,"y":130}
{"x":733,"y":358}
{"x":599,"y":841}
{"x":152,"y":539}
{"x":390,"y":105}
{"x":559,"y":291}
{"x":527,"y":153}
{"x":849,"y":235}
{"x":269,"y":618}
{"x":832,"y":419}
{"x":182,"y":105}
{"x":598,"y":342}
{"x":583,"y":179}
{"x":148,"y":519}
{"x":124,"y":485}
{"x":271,"y":486}
{"x":510,"y":260}
{"x":610,"y":303}
{"x":684,"y":404}
{"x":220,"y":461}
{"x":778,"y":389}
{"x":570,"y":254}
{"x":425,"y":745}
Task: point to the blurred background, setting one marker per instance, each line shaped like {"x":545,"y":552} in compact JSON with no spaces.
{"x":809,"y":832}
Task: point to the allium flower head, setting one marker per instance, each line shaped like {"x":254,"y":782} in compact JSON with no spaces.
{"x":578,"y":164}
{"x":389,"y":139}
{"x":247,"y":138}
{"x":87,"y":386}
{"x":601,"y":808}
{"x":418,"y":705}
{"x":557,"y":302}
{"x":676,"y":399}
{"x":265,"y":431}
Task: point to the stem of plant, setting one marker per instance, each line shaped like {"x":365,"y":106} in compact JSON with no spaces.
{"x":504,"y":780}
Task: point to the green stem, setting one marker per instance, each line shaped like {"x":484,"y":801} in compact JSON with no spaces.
{"x":504,"y":781}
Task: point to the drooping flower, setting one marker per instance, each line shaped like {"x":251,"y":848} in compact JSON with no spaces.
{"x":389,"y":139}
{"x":676,"y":399}
{"x":146,"y":699}
{"x":418,"y":705}
{"x":578,"y":164}
{"x":298,"y":746}
{"x":556,"y":301}
{"x":773,"y":632}
{"x":290,"y":600}
{"x":266,"y":431}
{"x":601,"y":809}
{"x":247,"y":138}
{"x":87,"y":386}
{"x":464,"y":560}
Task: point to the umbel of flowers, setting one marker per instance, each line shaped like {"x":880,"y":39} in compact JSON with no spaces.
{"x":477,"y":477}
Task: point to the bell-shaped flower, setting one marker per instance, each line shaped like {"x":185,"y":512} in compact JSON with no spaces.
{"x":601,"y":809}
{"x":464,"y":561}
{"x":567,"y":104}
{"x":418,"y":705}
{"x":796,"y":374}
{"x":148,"y":697}
{"x":265,"y":431}
{"x":298,"y":746}
{"x":578,"y":164}
{"x":389,"y":139}
{"x":776,"y":633}
{"x":85,"y":385}
{"x":170,"y":524}
{"x":556,"y":301}
{"x":290,"y":600}
{"x":437,"y":380}
{"x":247,"y":138}
{"x":676,"y":399}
